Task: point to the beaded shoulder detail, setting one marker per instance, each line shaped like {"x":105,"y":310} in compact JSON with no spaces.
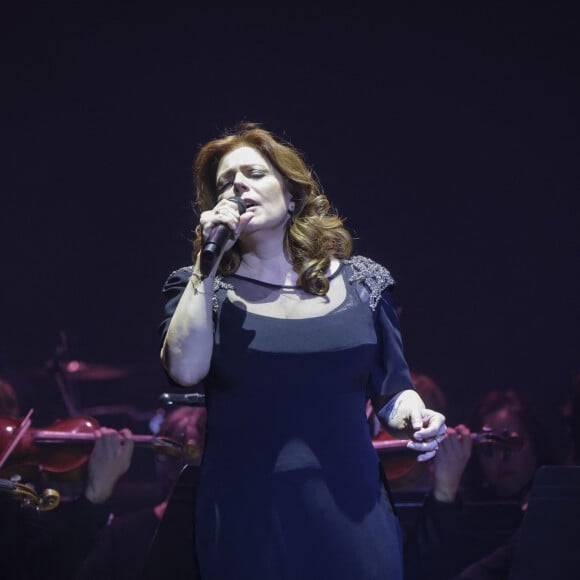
{"x":375,"y":277}
{"x":185,"y":269}
{"x":218,"y":284}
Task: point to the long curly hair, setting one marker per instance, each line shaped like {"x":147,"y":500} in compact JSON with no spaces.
{"x":315,"y":232}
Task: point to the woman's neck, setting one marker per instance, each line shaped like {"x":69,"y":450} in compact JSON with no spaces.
{"x":263,"y":258}
{"x":270,"y":267}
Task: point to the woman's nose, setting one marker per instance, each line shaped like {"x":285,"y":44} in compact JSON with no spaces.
{"x":239,"y":184}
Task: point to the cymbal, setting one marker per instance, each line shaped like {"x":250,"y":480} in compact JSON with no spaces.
{"x":85,"y":371}
{"x":79,"y":370}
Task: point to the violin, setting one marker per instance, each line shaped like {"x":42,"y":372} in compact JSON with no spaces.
{"x":28,"y":496}
{"x":66,"y":445}
{"x":400,"y":463}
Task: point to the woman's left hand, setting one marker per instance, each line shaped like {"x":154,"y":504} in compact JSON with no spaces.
{"x":406,"y":416}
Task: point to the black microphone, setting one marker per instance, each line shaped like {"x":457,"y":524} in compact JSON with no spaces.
{"x":189,"y":399}
{"x":213,"y":246}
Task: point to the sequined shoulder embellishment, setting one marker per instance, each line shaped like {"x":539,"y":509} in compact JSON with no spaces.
{"x":375,"y":277}
{"x":187,"y":269}
{"x":219,"y":284}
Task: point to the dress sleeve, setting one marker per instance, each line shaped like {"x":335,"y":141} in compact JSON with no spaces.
{"x":390,"y":373}
{"x":172,"y":291}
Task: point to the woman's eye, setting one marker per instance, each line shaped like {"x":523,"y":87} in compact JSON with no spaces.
{"x":221,"y":187}
{"x":257,"y":173}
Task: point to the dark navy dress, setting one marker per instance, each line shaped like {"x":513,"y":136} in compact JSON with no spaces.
{"x":290,"y":482}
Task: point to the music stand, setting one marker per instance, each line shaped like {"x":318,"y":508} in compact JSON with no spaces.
{"x":172,"y":550}
{"x":548,"y":545}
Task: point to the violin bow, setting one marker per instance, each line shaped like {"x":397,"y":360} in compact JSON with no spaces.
{"x":18,"y":434}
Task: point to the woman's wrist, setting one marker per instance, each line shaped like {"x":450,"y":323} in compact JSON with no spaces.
{"x":197,"y":269}
{"x":200,"y":283}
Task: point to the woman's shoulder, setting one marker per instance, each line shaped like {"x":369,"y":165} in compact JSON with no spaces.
{"x":180,"y":277}
{"x":374,"y":276}
{"x":183,"y":272}
{"x":364,"y":269}
{"x":177,"y":278}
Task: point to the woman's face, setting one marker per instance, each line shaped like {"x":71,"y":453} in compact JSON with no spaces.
{"x":508,"y":471}
{"x":244,"y":173}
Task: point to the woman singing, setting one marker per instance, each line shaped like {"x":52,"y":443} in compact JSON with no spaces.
{"x":290,"y":335}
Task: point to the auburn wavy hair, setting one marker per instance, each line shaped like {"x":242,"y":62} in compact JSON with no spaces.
{"x":315,"y":232}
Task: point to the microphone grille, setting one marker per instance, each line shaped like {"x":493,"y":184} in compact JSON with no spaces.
{"x":242,"y":207}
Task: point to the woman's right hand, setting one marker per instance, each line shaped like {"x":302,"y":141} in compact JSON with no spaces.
{"x":227,"y":213}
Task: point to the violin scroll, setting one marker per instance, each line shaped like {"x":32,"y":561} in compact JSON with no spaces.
{"x":29,"y":497}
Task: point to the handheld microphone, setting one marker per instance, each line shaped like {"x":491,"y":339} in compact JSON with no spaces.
{"x":189,"y":399}
{"x":213,"y":246}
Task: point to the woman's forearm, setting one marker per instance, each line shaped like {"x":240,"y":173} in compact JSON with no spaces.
{"x":187,"y":348}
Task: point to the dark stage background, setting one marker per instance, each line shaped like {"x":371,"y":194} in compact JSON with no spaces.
{"x":447,"y":137}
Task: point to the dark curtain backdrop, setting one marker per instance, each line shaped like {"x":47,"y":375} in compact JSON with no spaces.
{"x":447,"y":136}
